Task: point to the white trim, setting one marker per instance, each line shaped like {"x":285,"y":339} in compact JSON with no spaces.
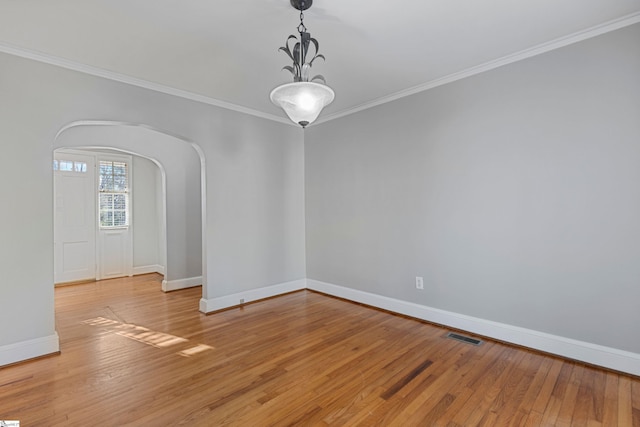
{"x":25,"y":350}
{"x":579,"y":36}
{"x":174,"y":285}
{"x":145,"y":84}
{"x":597,"y":30}
{"x":607,"y":357}
{"x":220,"y":303}
{"x":146,"y":269}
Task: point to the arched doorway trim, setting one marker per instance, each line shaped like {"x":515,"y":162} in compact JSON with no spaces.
{"x":60,"y":143}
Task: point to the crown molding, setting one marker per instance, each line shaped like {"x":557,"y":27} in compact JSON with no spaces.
{"x":597,"y":30}
{"x":123,"y":78}
{"x":579,"y":36}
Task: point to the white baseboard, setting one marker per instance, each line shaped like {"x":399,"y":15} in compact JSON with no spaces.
{"x":594,"y":354}
{"x":146,"y":269}
{"x":174,"y":285}
{"x":25,"y":350}
{"x":220,"y":303}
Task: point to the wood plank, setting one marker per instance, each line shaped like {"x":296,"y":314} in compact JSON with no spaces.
{"x":493,"y":397}
{"x":520,"y":396}
{"x":625,"y":406}
{"x":391,"y":391}
{"x":610,"y":401}
{"x":481,"y":383}
{"x":302,"y":358}
{"x":565,"y":415}
{"x":550,"y":370}
{"x":584,"y":409}
{"x":635,"y":402}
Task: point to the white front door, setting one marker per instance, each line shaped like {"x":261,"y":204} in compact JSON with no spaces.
{"x":74,"y":218}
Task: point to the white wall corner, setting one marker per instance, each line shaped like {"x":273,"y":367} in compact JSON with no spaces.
{"x":594,"y":354}
{"x":227,"y":301}
{"x":174,"y":285}
{"x":30,"y":349}
{"x":146,"y":269}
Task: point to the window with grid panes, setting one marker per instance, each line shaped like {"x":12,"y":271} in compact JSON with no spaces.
{"x":113,"y":194}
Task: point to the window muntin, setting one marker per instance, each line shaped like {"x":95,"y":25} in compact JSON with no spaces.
{"x":69,"y":166}
{"x":113,"y":194}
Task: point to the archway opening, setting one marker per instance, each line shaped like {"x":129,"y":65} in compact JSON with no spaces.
{"x":182,"y":167}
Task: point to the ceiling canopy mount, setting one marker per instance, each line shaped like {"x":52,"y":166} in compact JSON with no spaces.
{"x":301,"y":4}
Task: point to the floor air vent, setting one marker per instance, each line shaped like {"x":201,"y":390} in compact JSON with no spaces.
{"x":463,"y":338}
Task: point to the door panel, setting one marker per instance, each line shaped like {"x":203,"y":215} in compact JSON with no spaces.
{"x":74,"y":218}
{"x":74,"y":257}
{"x":114,"y":253}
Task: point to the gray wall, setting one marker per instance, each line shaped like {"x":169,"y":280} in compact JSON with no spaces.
{"x":515,"y":193}
{"x":147,"y":218}
{"x":160,"y":196}
{"x":254,"y":185}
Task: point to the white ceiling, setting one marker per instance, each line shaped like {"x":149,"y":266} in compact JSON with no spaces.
{"x":225,"y":52}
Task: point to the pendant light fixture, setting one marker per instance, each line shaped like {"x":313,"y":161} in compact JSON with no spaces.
{"x":304,"y":99}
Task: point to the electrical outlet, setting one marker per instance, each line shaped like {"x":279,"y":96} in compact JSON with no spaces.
{"x":241,"y":300}
{"x":419,"y":283}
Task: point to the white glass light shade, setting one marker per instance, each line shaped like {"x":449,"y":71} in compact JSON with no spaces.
{"x":302,"y":101}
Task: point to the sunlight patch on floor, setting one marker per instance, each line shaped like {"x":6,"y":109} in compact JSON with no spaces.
{"x":146,"y":335}
{"x":195,"y":350}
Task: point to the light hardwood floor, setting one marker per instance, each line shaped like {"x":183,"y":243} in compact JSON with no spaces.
{"x":132,"y":355}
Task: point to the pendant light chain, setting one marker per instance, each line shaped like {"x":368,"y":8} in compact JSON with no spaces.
{"x":301,"y":27}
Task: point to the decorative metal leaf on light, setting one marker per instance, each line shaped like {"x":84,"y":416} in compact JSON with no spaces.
{"x":319,"y":77}
{"x":299,"y":56}
{"x":289,"y":69}
{"x":305,"y":98}
{"x":316,"y":57}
